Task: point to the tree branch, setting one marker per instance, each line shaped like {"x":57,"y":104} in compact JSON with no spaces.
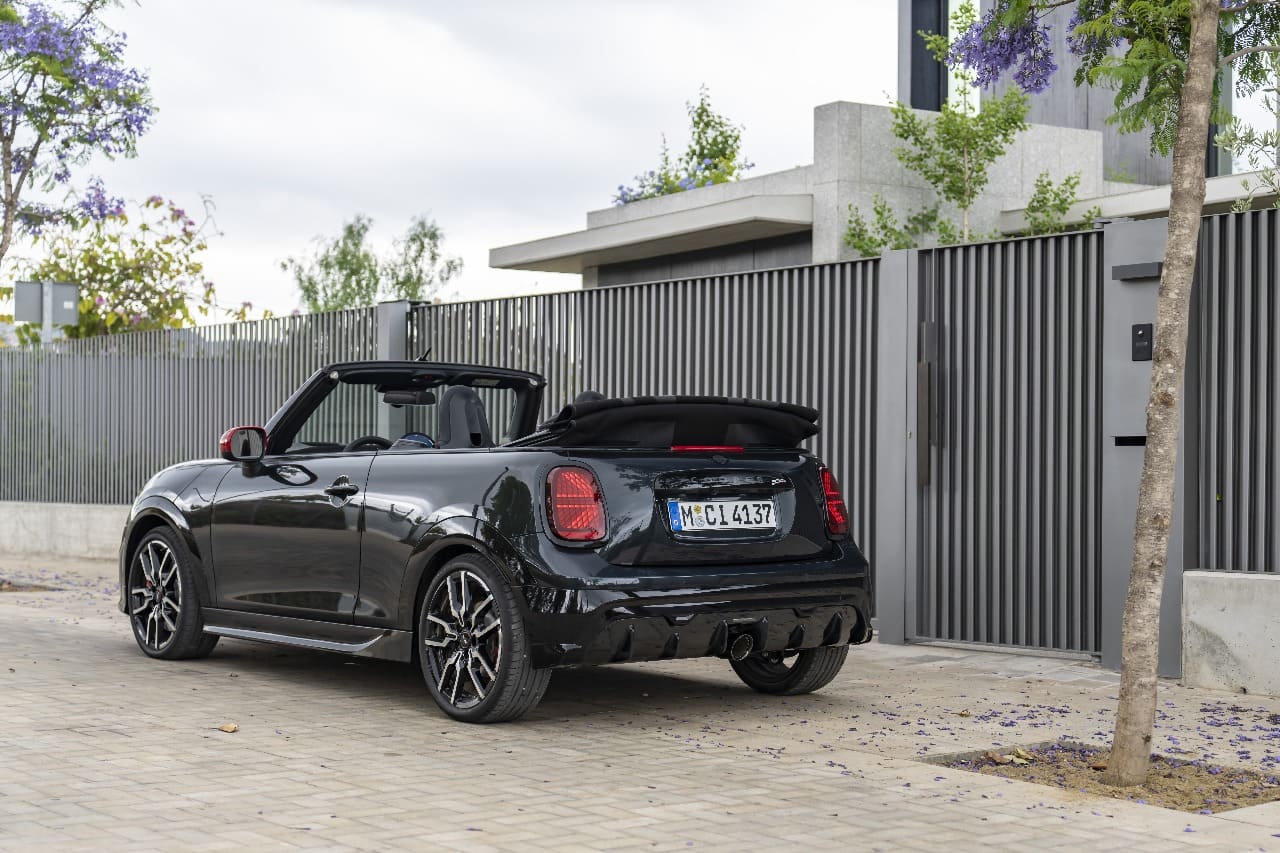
{"x":1244,"y":4}
{"x":13,"y":122}
{"x":1259,"y":48}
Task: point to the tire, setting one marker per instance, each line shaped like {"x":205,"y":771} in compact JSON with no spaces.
{"x":807,"y":671}
{"x":472,"y":645}
{"x":163,"y":606}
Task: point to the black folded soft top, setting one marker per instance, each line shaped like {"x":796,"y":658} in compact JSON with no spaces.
{"x":664,"y":422}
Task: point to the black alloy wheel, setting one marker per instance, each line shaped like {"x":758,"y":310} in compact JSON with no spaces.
{"x":163,"y":607}
{"x":793,"y":672}
{"x":473,"y":648}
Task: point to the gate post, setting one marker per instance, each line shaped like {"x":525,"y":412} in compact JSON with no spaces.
{"x":1132,"y":258}
{"x":894,"y":557}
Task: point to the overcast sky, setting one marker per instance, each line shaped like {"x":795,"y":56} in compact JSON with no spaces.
{"x":504,"y":121}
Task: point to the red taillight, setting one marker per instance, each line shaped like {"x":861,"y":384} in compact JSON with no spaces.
{"x":706,"y":448}
{"x":575,"y":506}
{"x":837,"y":513}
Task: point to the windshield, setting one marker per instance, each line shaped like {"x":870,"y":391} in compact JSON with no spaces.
{"x":357,"y":410}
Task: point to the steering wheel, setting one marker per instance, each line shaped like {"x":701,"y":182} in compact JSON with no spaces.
{"x":367,"y":442}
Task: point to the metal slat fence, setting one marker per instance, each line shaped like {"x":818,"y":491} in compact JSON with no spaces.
{"x":91,"y":420}
{"x":803,"y":335}
{"x":1233,"y":394}
{"x":1009,"y":519}
{"x":1007,"y":525}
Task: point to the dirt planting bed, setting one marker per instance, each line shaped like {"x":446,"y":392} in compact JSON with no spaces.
{"x":1187,"y":785}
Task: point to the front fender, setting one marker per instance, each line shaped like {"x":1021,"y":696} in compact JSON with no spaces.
{"x":442,"y":542}
{"x":144,"y":516}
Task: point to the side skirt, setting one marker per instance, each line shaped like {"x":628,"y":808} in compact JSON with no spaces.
{"x":358,"y":640}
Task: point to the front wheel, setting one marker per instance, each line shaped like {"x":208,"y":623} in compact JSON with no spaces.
{"x":164,"y":609}
{"x":473,"y":647}
{"x":791,"y":673}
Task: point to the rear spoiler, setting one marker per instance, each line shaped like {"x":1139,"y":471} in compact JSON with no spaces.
{"x":664,"y":422}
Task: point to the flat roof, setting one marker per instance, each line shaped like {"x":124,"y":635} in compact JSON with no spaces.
{"x":737,"y":220}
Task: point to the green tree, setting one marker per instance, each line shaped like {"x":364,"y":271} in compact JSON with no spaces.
{"x":1047,"y":208}
{"x":65,"y":96}
{"x":135,"y":273}
{"x":346,"y":272}
{"x":954,"y":151}
{"x":885,"y":230}
{"x":714,"y":156}
{"x":1163,"y":60}
{"x":1261,"y":150}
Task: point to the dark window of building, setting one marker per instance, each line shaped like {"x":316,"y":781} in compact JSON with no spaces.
{"x":928,"y":76}
{"x":1213,"y":155}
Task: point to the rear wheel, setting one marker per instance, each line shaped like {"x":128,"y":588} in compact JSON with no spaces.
{"x":791,"y":673}
{"x":164,"y":609}
{"x":473,"y":647}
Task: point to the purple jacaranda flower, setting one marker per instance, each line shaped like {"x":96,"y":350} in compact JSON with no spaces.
{"x":96,"y":205}
{"x":989,"y":50}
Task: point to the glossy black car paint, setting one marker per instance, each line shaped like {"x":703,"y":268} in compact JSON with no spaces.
{"x":285,"y":561}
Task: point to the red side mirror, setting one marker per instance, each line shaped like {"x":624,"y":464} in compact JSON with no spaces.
{"x":243,"y":444}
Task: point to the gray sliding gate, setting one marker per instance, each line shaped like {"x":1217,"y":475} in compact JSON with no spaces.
{"x":1007,"y":443}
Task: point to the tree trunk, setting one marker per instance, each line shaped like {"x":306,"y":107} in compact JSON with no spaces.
{"x":1140,"y":648}
{"x":10,"y":199}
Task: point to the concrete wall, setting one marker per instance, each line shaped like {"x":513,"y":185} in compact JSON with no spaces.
{"x":1230,"y":633}
{"x":48,"y":530}
{"x":854,"y":159}
{"x":786,"y":251}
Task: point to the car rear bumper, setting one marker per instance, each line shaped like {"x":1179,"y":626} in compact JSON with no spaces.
{"x":595,"y":626}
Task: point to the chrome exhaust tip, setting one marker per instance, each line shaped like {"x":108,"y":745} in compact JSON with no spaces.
{"x":741,"y":647}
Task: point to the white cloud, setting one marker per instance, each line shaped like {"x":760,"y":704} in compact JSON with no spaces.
{"x":503,"y":121}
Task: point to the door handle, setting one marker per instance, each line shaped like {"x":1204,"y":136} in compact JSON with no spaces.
{"x":924,"y":422}
{"x":342,"y":488}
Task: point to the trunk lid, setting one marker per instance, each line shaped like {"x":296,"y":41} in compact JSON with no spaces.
{"x":690,"y":480}
{"x":673,"y":509}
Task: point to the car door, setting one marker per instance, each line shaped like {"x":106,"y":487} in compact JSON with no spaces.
{"x":286,"y":535}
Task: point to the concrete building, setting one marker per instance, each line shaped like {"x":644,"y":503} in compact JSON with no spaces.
{"x":800,"y":215}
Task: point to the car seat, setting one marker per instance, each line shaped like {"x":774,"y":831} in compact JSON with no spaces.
{"x":462,"y":420}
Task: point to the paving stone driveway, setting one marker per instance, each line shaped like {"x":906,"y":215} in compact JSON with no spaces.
{"x":102,"y":748}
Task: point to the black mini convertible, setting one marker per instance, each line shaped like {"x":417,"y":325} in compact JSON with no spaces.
{"x":378,"y":514}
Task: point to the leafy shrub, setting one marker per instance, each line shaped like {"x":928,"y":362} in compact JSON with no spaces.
{"x":1047,"y":208}
{"x":884,"y":231}
{"x":714,"y":156}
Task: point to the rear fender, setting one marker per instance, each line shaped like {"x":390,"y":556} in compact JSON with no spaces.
{"x":147,"y":514}
{"x":446,"y":540}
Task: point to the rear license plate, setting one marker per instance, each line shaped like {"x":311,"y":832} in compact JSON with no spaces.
{"x":722,"y":515}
